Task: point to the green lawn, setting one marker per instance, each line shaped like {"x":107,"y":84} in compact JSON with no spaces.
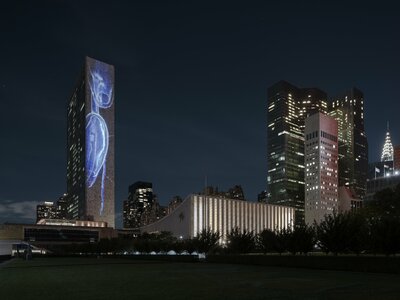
{"x":91,"y":278}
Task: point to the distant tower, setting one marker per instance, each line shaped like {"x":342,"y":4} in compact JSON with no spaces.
{"x":140,"y":200}
{"x":387,"y":151}
{"x":46,"y":211}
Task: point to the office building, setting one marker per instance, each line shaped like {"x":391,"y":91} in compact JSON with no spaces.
{"x":47,"y":210}
{"x":396,"y":158}
{"x":90,"y":145}
{"x":50,"y":210}
{"x":262,"y":197}
{"x":380,"y":169}
{"x":348,"y":111}
{"x":236,"y":192}
{"x":138,"y":205}
{"x":62,"y":207}
{"x":288,"y":107}
{"x":321,"y":167}
{"x":198,"y":212}
{"x":174,"y":203}
{"x":381,"y":183}
{"x":348,"y":201}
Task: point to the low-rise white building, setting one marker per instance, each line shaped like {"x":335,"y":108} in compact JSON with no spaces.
{"x":198,"y":212}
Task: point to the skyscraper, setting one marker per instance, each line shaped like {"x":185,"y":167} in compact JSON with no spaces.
{"x":348,"y":110}
{"x":396,"y":158}
{"x":46,"y":211}
{"x":90,"y":145}
{"x":140,"y":201}
{"x":321,"y":163}
{"x":288,"y":107}
{"x":387,"y":150}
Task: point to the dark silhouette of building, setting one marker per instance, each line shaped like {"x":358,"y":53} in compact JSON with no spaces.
{"x":138,"y":205}
{"x":380,"y":169}
{"x":348,"y":110}
{"x":262,"y":197}
{"x":236,"y":192}
{"x":174,"y":203}
{"x":396,"y":158}
{"x":90,"y":145}
{"x":288,"y":107}
{"x":62,"y":207}
{"x":380,"y":183}
{"x":52,"y":210}
{"x":47,"y":210}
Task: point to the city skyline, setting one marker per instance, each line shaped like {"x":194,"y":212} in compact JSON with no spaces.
{"x":191,"y":89}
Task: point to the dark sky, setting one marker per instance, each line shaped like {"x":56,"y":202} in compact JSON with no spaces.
{"x":191,"y":80}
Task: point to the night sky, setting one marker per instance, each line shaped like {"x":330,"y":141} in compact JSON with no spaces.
{"x":191,"y":86}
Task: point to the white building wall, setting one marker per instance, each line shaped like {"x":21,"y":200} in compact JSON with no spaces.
{"x":321,"y":167}
{"x":198,"y":212}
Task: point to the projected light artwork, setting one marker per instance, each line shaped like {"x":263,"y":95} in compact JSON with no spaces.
{"x":97,"y":135}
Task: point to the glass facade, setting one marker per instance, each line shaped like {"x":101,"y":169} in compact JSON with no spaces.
{"x":288,"y":107}
{"x":140,"y":201}
{"x":348,"y":110}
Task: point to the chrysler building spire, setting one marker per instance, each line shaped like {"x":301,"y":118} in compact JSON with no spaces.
{"x":387,"y":151}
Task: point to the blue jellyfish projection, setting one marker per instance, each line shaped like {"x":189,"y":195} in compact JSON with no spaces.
{"x":97,"y":132}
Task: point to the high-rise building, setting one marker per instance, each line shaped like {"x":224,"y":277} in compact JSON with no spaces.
{"x":46,"y":211}
{"x":90,"y":145}
{"x":140,"y":201}
{"x":348,"y":110}
{"x":288,"y":107}
{"x":62,"y":207}
{"x":387,"y":150}
{"x":396,"y":158}
{"x":321,"y":167}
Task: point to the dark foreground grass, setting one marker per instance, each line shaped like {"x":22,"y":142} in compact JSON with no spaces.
{"x":91,"y":278}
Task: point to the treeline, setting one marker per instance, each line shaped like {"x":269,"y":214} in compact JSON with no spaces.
{"x":351,"y":233}
{"x":375,"y":229}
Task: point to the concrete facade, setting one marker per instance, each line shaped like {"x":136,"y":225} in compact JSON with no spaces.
{"x":198,"y":212}
{"x":321,"y":164}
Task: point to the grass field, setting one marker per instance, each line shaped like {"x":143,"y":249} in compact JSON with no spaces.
{"x":91,"y":278}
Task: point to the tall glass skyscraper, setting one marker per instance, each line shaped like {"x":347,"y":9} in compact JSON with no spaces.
{"x":288,"y":107}
{"x":90,"y":145}
{"x":348,"y":110}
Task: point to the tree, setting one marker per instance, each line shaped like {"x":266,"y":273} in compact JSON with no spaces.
{"x":282,"y":240}
{"x":207,"y":239}
{"x":357,"y":232}
{"x":385,"y":235}
{"x":266,"y":240}
{"x":241,"y":242}
{"x":300,"y":239}
{"x":385,"y":203}
{"x":332,"y":233}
